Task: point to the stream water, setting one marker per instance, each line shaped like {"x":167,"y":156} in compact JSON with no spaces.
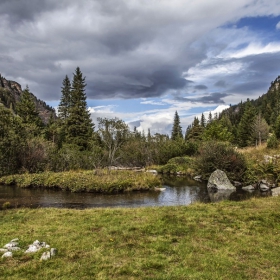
{"x":178,"y":191}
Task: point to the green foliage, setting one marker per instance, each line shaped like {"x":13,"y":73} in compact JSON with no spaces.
{"x":272,"y":142}
{"x":70,"y":157}
{"x":216,"y":131}
{"x":176,"y":129}
{"x":277,"y":127}
{"x":78,"y":125}
{"x":26,"y":109}
{"x":244,"y":127}
{"x":178,"y":164}
{"x":112,"y":133}
{"x":65,"y":100}
{"x":194,"y":132}
{"x":191,"y":148}
{"x":219,"y":155}
{"x":11,"y":141}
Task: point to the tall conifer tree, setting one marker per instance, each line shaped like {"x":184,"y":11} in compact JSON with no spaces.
{"x":176,"y":129}
{"x":64,"y":105}
{"x":79,"y":127}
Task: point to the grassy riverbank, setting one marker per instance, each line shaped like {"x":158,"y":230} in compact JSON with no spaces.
{"x":227,"y":240}
{"x":100,"y":181}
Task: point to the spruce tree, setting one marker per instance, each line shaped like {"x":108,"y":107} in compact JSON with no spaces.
{"x":176,"y":129}
{"x":26,"y":109}
{"x":79,"y":127}
{"x":202,"y":120}
{"x":244,"y":129}
{"x":64,"y":105}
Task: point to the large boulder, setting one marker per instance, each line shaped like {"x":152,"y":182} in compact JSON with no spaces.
{"x":219,"y":181}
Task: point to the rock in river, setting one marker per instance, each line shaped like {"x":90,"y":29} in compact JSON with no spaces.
{"x":219,"y":181}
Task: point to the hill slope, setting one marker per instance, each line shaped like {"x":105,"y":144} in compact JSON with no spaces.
{"x":10,"y":92}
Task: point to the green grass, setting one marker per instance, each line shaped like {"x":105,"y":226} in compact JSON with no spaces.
{"x":227,"y":240}
{"x":100,"y":181}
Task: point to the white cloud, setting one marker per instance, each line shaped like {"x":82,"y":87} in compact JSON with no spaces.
{"x":278,"y":25}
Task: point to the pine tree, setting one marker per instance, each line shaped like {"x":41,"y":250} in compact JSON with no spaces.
{"x":26,"y":109}
{"x":79,"y":127}
{"x":210,"y":119}
{"x":244,"y":129}
{"x":176,"y":129}
{"x":202,"y":120}
{"x":64,"y":105}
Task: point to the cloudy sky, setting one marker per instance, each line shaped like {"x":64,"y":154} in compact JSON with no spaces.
{"x":143,"y":59}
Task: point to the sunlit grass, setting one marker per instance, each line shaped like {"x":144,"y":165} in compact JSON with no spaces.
{"x":228,"y":240}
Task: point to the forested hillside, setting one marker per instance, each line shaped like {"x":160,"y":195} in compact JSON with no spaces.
{"x":248,"y":123}
{"x":10,"y":94}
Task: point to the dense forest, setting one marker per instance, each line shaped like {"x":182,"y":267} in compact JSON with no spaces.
{"x":70,"y":140}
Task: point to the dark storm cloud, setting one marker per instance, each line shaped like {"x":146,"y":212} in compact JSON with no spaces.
{"x":201,"y":87}
{"x":19,"y":10}
{"x":126,"y":49}
{"x":259,"y":71}
{"x":211,"y":98}
{"x":220,"y":83}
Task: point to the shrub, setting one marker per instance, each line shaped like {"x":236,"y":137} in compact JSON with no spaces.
{"x":220,"y":155}
{"x":272,"y":142}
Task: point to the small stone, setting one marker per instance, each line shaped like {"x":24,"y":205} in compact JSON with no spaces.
{"x":248,"y":188}
{"x":46,"y":256}
{"x":7,"y":255}
{"x":11,"y":244}
{"x":14,"y":249}
{"x":48,"y":246}
{"x":32,"y":249}
{"x":2,"y":250}
{"x":15,"y":240}
{"x":264,"y":187}
{"x":36,"y":242}
{"x":53,"y":252}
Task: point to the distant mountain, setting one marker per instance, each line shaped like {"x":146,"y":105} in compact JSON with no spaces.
{"x":10,"y":92}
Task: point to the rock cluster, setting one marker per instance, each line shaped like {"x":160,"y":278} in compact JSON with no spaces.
{"x":13,"y":245}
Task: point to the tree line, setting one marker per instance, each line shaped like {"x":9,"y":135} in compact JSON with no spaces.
{"x":71,"y":140}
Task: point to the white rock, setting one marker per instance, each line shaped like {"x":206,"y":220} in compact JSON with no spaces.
{"x":275,"y":191}
{"x":48,"y":246}
{"x":32,"y":249}
{"x":53,"y":252}
{"x":248,"y":188}
{"x":15,"y":240}
{"x":11,"y":244}
{"x":7,"y":255}
{"x":2,"y":250}
{"x":46,"y":256}
{"x":36,"y":242}
{"x":14,"y":249}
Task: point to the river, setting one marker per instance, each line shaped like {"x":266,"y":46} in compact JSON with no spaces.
{"x":178,"y":191}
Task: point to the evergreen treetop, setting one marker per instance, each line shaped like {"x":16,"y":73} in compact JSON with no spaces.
{"x":176,"y":129}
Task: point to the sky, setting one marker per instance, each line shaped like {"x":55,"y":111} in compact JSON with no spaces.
{"x":143,"y":59}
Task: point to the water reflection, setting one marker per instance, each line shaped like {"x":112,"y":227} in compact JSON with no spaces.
{"x":179,"y":191}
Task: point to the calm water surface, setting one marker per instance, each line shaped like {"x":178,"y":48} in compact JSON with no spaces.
{"x":179,"y":191}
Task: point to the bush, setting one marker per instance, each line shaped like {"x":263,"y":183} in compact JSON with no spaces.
{"x":191,"y":148}
{"x":272,"y":142}
{"x":220,"y":155}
